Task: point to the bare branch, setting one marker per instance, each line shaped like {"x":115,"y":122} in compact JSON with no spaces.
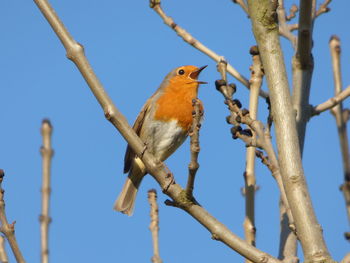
{"x":323,"y":8}
{"x":338,"y":112}
{"x":288,"y":243}
{"x":293,"y":27}
{"x":154,"y":167}
{"x":194,"y":145}
{"x":305,"y":33}
{"x":330,"y":103}
{"x":3,"y":254}
{"x":249,"y":173}
{"x":302,"y":69}
{"x":261,"y":140}
{"x":45,"y":219}
{"x":284,"y":28}
{"x":154,"y":225}
{"x":265,"y":160}
{"x":266,"y":34}
{"x":8,"y":229}
{"x":187,"y":37}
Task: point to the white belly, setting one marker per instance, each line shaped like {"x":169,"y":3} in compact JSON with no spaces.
{"x":165,"y":138}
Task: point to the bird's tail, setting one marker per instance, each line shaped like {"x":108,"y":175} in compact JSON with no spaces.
{"x":126,"y":199}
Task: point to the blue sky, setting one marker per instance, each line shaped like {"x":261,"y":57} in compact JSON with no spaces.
{"x":131,"y":50}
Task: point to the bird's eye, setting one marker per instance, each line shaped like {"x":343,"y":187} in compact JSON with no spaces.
{"x":181,"y":72}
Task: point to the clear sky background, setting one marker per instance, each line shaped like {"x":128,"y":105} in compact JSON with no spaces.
{"x":131,"y":51}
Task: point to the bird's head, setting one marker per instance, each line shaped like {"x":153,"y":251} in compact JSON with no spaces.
{"x":186,"y":75}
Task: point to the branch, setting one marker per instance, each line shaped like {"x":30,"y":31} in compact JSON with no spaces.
{"x":284,"y":28}
{"x":197,"y":115}
{"x":8,"y":229}
{"x":44,"y":218}
{"x":262,"y":139}
{"x":187,"y":37}
{"x":3,"y":254}
{"x":266,"y":34}
{"x":338,"y":112}
{"x":158,"y":170}
{"x":323,"y":8}
{"x":288,"y":243}
{"x":302,"y":69}
{"x":154,"y":225}
{"x":249,"y":173}
{"x":330,"y":103}
{"x":304,"y":45}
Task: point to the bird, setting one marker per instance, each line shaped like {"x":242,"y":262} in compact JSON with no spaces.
{"x":163,"y":124}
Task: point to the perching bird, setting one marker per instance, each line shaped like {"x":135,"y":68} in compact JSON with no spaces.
{"x":163,"y":125}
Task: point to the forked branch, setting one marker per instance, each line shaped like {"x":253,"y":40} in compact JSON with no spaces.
{"x":323,"y":8}
{"x":262,"y":137}
{"x":8,"y":229}
{"x":187,"y":37}
{"x":289,"y":157}
{"x":219,"y":231}
{"x":284,"y":28}
{"x":338,"y":112}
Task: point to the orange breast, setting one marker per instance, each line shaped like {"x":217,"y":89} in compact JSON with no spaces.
{"x":176,"y":104}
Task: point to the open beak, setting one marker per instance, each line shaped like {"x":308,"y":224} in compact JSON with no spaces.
{"x":194,"y":75}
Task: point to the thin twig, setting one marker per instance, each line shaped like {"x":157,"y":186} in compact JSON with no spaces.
{"x":323,"y":8}
{"x":3,"y":254}
{"x":330,"y":103}
{"x":338,"y":113}
{"x":154,"y":225}
{"x":157,"y":169}
{"x":249,"y":173}
{"x":8,"y":229}
{"x":265,"y":160}
{"x":262,"y":139}
{"x":283,"y":26}
{"x":44,"y":218}
{"x":187,"y":37}
{"x":194,"y":145}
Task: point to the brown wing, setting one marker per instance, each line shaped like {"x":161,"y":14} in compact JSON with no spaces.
{"x":129,"y":154}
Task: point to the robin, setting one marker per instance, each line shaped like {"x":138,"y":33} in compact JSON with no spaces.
{"x":163,"y":125}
